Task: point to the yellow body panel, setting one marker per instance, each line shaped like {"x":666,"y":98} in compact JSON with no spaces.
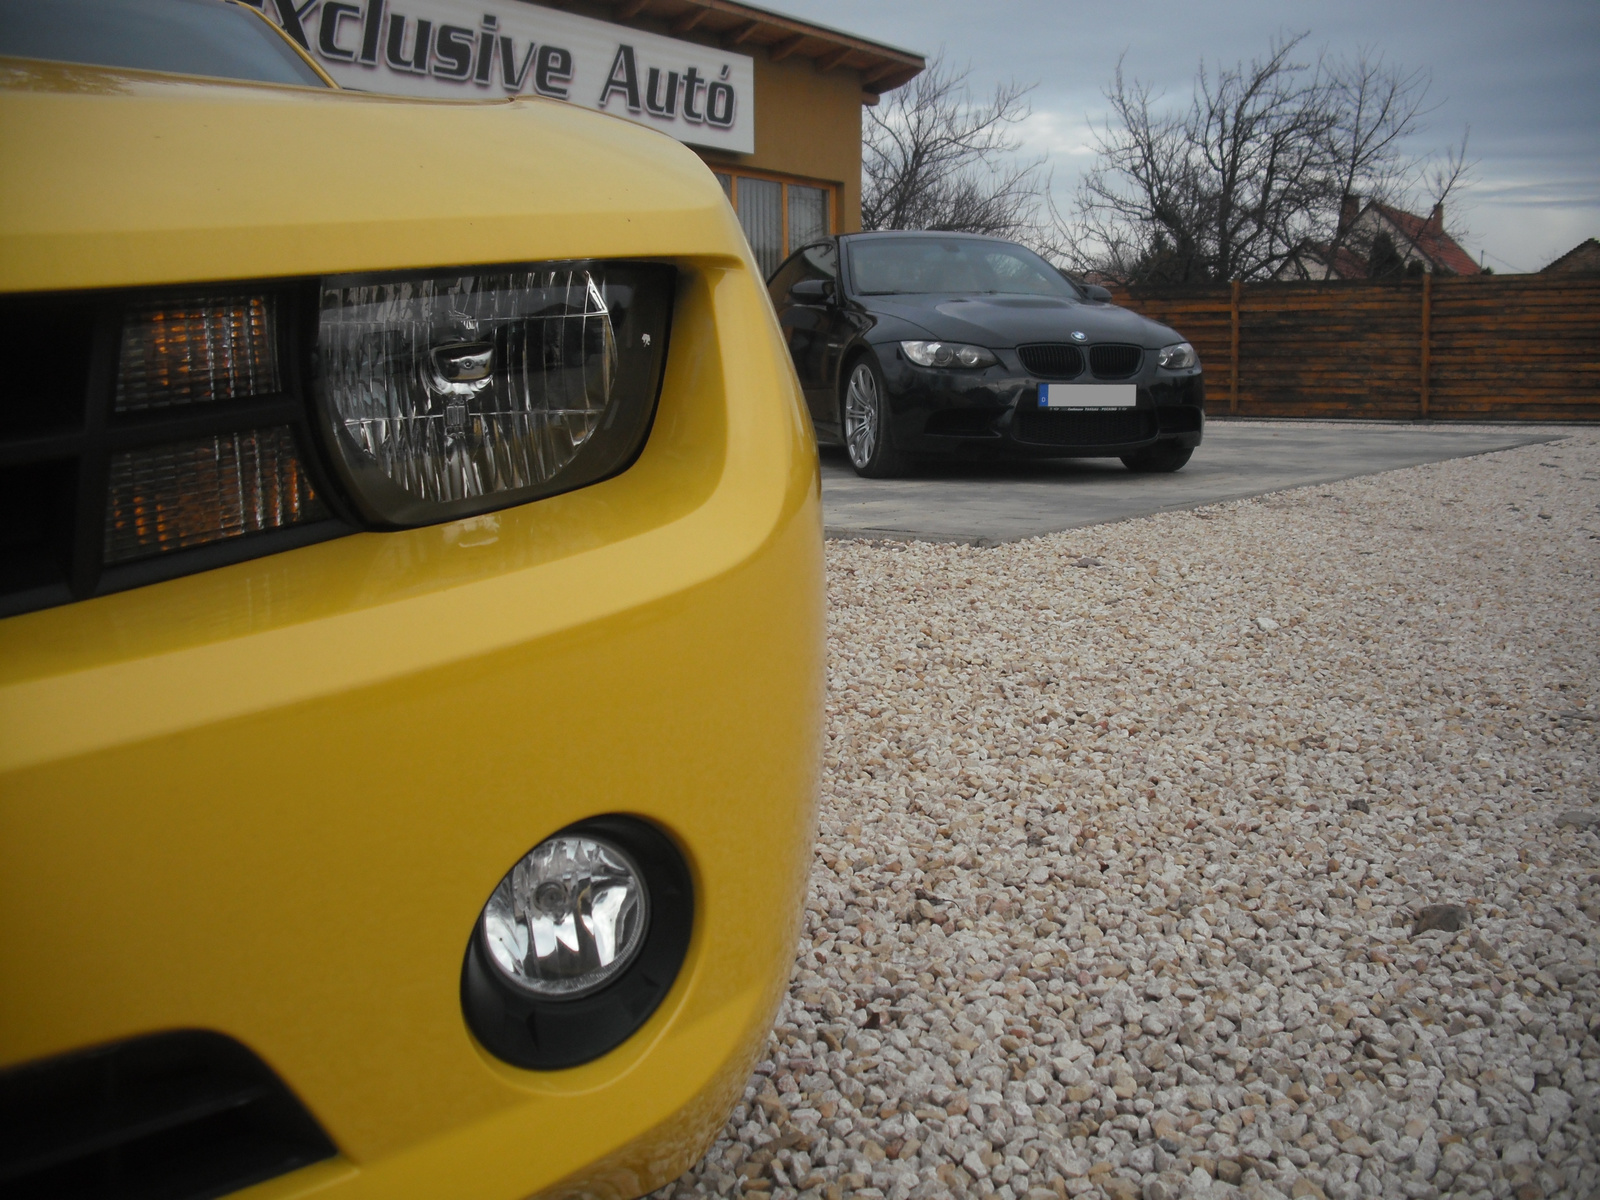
{"x":270,"y":799}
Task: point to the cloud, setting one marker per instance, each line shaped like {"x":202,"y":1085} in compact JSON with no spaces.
{"x":1057,"y":134}
{"x":1521,"y":76}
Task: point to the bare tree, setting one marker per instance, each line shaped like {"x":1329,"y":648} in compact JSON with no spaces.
{"x":1142,"y":201}
{"x":933,"y":158}
{"x":1450,"y":173}
{"x":1217,"y":192}
{"x":1255,"y":168}
{"x":1376,"y":106}
{"x":1379,"y":107}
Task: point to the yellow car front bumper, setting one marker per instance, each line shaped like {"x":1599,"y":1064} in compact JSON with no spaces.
{"x":271,"y":799}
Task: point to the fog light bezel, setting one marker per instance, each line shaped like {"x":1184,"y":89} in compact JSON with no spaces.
{"x":539,"y":1034}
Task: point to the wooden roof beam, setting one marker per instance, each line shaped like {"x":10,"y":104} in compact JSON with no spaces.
{"x":788,"y":46}
{"x":743,"y":35}
{"x":882,"y":71}
{"x":687,"y":22}
{"x":829,"y":61}
{"x":733,"y":23}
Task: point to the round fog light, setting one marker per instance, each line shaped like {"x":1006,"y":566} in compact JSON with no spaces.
{"x":578,"y":943}
{"x":568,"y":918}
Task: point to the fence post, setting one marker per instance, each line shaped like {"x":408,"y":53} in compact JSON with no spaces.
{"x":1427,"y":338}
{"x":1233,"y":375}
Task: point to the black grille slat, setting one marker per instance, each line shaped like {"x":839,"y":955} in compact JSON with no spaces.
{"x":1115,"y":362}
{"x":1085,"y":429}
{"x":176,"y":1116}
{"x":1052,"y":360}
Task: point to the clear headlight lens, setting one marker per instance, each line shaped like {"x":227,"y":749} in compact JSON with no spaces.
{"x":947,"y":354}
{"x":569,"y":917}
{"x":448,"y":395}
{"x":1179,"y":357}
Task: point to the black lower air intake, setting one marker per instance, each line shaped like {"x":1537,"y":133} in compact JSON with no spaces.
{"x":174,"y":1116}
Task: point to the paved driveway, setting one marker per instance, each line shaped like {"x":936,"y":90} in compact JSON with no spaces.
{"x":1001,"y":502}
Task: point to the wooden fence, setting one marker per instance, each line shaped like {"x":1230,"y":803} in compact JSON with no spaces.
{"x":1505,"y":347}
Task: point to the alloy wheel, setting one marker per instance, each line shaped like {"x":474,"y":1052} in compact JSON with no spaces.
{"x":862,"y":412}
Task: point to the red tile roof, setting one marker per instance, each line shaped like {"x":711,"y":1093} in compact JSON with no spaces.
{"x":1431,"y":239}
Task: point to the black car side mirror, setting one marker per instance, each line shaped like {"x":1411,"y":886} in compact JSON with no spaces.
{"x":811,"y":291}
{"x":1097,"y":293}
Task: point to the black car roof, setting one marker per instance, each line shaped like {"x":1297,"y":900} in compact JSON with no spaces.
{"x":918,"y":233}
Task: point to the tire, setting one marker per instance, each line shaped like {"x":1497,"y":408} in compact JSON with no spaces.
{"x":1162,"y":458}
{"x":864,"y":421}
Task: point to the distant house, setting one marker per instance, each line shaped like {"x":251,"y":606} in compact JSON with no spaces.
{"x":1377,"y":240}
{"x":1582,"y":259}
{"x":1315,"y":261}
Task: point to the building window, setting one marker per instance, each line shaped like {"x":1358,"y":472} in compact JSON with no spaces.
{"x":778,"y":216}
{"x":808,"y":214}
{"x":759,"y":203}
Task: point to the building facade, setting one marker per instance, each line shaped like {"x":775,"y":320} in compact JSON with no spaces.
{"x":772,"y":104}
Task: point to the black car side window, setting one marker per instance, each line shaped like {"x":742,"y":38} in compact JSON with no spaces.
{"x":817,"y":261}
{"x":784,"y":278}
{"x":821,"y":261}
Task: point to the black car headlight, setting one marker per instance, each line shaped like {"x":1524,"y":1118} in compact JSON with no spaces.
{"x":449,"y":394}
{"x":947,"y":354}
{"x":1178,"y":357}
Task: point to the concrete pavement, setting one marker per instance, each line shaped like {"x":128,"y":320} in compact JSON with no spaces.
{"x":1002,"y":502}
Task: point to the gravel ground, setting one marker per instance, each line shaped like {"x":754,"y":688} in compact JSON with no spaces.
{"x":1253,"y":851}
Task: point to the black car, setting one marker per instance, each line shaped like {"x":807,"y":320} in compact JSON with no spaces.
{"x":912,"y":344}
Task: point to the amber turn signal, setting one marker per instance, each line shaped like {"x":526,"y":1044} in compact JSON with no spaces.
{"x":195,"y":350}
{"x":184,"y":494}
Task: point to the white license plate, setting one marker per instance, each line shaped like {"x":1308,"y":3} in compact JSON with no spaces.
{"x":1088,"y":395}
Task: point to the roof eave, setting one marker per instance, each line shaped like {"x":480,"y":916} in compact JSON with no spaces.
{"x":736,"y":25}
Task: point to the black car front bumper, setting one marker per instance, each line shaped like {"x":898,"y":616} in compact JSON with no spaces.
{"x":996,"y":412}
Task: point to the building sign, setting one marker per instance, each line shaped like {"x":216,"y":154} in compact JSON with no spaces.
{"x":496,"y":48}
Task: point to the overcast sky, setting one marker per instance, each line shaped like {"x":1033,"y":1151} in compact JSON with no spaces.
{"x":1525,"y":76}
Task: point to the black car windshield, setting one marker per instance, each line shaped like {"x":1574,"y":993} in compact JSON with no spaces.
{"x":919,"y":265}
{"x":186,"y":37}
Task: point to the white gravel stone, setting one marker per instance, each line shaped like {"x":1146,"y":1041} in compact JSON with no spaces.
{"x":1118,"y":869}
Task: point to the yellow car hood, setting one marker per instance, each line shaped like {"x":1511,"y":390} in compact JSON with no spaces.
{"x":220,"y":180}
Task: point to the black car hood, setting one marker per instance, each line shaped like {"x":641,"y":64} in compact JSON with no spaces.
{"x":1005,"y":321}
